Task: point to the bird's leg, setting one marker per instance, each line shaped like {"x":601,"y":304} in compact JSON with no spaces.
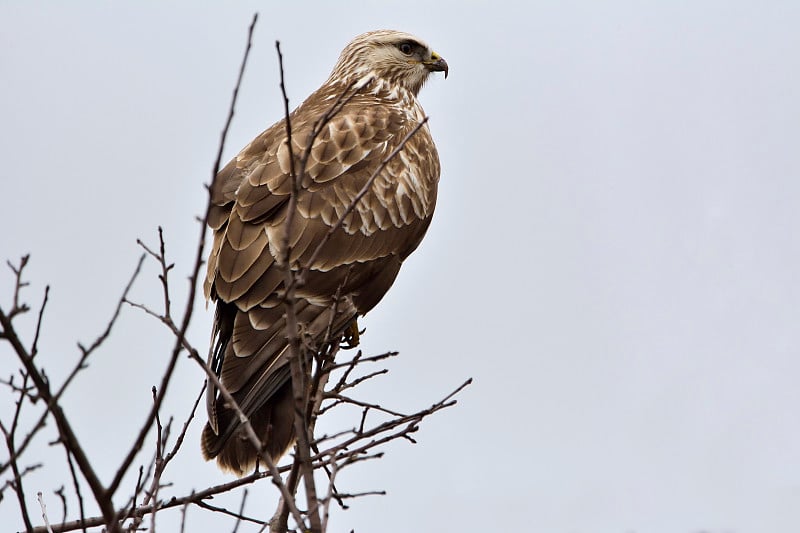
{"x":351,"y":337}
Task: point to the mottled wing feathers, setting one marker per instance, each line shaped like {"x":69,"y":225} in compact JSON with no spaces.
{"x":253,"y":192}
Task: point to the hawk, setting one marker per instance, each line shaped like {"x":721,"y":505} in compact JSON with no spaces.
{"x":375,"y":84}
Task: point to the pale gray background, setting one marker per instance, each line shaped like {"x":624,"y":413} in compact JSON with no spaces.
{"x":614,"y":258}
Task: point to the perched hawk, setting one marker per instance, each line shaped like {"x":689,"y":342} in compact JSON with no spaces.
{"x":379,"y":73}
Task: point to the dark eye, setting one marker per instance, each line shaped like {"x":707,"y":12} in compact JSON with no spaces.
{"x":406,"y":48}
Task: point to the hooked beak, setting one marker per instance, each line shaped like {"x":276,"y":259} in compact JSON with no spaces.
{"x":437,"y":64}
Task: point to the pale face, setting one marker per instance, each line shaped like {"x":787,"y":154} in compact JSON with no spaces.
{"x":395,"y":56}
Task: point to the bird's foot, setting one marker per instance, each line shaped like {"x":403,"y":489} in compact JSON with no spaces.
{"x":351,"y":337}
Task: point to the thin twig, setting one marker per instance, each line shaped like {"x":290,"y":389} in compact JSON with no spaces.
{"x":239,"y":516}
{"x":44,"y":512}
{"x":189,"y":308}
{"x":231,"y":109}
{"x":183,"y":516}
{"x":16,"y":484}
{"x":35,"y":344}
{"x":67,"y":436}
{"x":348,"y":450}
{"x":62,"y":496}
{"x":251,"y":435}
{"x":296,"y":359}
{"x":79,"y":365}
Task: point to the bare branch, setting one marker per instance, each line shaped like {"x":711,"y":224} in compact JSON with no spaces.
{"x":79,"y":365}
{"x":235,"y":96}
{"x":67,"y":436}
{"x":296,"y":358}
{"x":340,"y":399}
{"x":16,"y":306}
{"x":44,"y":512}
{"x":254,"y":440}
{"x":182,"y":435}
{"x":347,"y":451}
{"x":240,"y":516}
{"x":16,"y":483}
{"x":34,"y":346}
{"x":172,"y":502}
{"x":63,"y":498}
{"x":104,"y":335}
{"x":76,"y":485}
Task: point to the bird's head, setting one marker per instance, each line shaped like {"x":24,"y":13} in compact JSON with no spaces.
{"x":393,"y":56}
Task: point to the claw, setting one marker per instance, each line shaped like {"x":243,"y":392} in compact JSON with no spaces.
{"x":351,"y":337}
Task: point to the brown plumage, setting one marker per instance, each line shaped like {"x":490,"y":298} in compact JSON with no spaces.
{"x":383,"y":71}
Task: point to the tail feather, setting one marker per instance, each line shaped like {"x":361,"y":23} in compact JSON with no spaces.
{"x":259,"y":380}
{"x":273,"y":424}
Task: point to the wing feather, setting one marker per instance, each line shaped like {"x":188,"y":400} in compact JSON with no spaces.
{"x":250,"y":198}
{"x":232,"y":264}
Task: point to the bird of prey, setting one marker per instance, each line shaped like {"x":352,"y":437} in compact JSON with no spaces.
{"x":375,"y":84}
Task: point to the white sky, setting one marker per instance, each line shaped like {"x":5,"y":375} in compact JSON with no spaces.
{"x":614,"y":257}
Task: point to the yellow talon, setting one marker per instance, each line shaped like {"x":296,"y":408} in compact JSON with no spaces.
{"x":351,"y":337}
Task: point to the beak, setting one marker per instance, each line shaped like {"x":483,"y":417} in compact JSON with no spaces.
{"x":437,"y":64}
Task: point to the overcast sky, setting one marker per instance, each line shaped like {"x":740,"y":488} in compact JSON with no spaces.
{"x":614,"y":258}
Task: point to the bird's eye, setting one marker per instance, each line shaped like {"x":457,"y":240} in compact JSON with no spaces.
{"x":406,"y":48}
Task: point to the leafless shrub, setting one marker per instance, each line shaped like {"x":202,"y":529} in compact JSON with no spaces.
{"x":329,"y":383}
